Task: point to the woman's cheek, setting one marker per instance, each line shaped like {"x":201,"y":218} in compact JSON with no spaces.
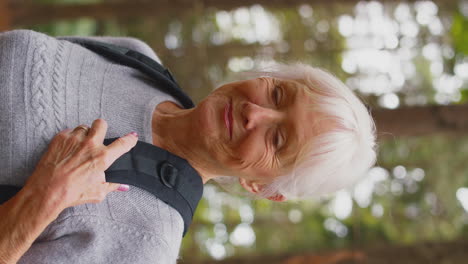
{"x":251,"y":149}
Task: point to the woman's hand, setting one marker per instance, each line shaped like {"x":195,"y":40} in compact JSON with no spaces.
{"x":71,"y":172}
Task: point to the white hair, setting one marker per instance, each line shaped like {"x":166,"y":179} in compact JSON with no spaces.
{"x":335,"y":158}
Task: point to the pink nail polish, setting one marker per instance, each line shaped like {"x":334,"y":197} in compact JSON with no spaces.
{"x":123,"y":187}
{"x":134,"y":133}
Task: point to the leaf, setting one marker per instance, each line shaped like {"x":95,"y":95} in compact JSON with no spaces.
{"x":460,"y":33}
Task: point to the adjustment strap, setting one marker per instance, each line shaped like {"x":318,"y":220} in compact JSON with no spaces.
{"x":165,"y":175}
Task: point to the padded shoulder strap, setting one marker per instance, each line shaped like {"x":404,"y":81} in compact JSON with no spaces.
{"x":165,"y":175}
{"x":160,"y":75}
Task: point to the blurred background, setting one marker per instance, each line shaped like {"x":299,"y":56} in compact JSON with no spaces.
{"x":408,"y":60}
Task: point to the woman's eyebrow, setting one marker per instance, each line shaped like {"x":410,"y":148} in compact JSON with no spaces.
{"x":291,"y":135}
{"x":289,"y":90}
{"x":290,"y":152}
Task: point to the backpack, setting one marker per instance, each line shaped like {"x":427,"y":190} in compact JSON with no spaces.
{"x":165,"y":175}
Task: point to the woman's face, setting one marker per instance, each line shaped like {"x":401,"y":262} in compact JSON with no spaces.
{"x":253,"y":129}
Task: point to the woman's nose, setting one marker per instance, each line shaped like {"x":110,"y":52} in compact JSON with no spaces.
{"x":255,"y":115}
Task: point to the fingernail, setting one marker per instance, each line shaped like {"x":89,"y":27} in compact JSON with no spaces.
{"x":134,"y":133}
{"x":123,"y":187}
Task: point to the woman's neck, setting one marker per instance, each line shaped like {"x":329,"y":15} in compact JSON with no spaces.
{"x":172,"y":131}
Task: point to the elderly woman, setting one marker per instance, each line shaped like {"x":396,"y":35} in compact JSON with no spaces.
{"x":293,"y":132}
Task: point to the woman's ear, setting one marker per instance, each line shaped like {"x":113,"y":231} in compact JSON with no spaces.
{"x":255,"y":188}
{"x":277,"y":198}
{"x":250,"y":186}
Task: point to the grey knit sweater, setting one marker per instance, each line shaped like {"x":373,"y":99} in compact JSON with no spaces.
{"x":47,"y":85}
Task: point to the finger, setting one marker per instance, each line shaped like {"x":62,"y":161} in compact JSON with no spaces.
{"x":65,"y":131}
{"x":119,"y":147}
{"x":98,"y":130}
{"x":112,"y":187}
{"x":81,"y":130}
{"x":62,"y":134}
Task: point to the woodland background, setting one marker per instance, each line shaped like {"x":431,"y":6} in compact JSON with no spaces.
{"x":407,"y":59}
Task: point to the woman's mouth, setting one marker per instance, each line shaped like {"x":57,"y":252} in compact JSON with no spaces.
{"x":228,"y":118}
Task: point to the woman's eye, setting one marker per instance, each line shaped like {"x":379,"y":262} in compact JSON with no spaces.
{"x":277,"y":95}
{"x":277,"y":140}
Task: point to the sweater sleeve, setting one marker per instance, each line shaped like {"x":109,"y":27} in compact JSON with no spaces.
{"x":127,"y":42}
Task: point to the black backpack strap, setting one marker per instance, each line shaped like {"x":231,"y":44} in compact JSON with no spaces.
{"x":165,"y":175}
{"x":120,"y":55}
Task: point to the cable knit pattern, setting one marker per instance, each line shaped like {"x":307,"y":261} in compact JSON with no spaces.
{"x":47,"y":85}
{"x":58,"y":89}
{"x":39,"y":91}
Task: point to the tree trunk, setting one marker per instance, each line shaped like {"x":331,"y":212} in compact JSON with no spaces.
{"x":5,"y":23}
{"x":24,"y":14}
{"x":428,"y":253}
{"x":421,"y":120}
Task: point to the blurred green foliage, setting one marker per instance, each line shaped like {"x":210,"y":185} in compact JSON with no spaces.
{"x":460,"y":44}
{"x":460,"y":33}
